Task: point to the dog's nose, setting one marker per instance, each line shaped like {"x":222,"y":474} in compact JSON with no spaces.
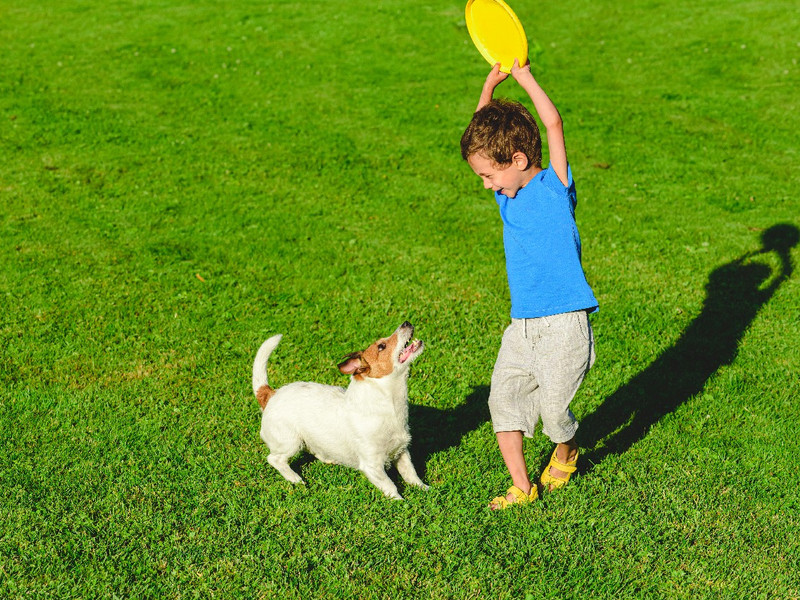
{"x":407,"y":324}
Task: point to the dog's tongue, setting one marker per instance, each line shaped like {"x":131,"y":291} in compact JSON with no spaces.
{"x":409,"y":350}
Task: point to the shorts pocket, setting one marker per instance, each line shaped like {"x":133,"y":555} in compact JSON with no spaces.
{"x":583,"y":324}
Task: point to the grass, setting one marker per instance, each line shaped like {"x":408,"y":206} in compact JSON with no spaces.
{"x":180,"y":181}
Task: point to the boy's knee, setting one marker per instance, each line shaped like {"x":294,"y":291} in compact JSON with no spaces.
{"x":559,"y":427}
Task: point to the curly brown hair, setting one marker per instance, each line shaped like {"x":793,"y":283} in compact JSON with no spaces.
{"x":500,"y":129}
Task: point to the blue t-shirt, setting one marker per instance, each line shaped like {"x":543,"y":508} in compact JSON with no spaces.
{"x":543,"y":249}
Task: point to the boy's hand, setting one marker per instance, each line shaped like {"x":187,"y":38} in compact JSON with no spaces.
{"x":520,"y":72}
{"x":493,"y":79}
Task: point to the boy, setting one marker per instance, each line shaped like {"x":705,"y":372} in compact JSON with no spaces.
{"x":548,"y":348}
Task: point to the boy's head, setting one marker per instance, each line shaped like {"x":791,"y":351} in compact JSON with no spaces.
{"x":501,"y":144}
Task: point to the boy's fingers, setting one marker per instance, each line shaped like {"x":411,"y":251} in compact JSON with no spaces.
{"x":518,"y":67}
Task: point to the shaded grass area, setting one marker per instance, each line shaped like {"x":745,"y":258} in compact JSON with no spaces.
{"x":180,"y":181}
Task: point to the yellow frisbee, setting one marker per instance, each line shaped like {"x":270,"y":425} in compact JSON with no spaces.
{"x":497,"y":33}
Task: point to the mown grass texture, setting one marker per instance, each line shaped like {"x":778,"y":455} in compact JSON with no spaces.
{"x":180,"y":181}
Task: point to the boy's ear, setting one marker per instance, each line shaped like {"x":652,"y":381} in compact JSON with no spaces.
{"x":519,"y":160}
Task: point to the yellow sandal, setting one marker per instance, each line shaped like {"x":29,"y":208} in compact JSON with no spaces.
{"x":551,"y":482}
{"x":520,"y":497}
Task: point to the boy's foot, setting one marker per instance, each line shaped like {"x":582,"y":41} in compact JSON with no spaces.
{"x":562,"y":465}
{"x":514,"y":496}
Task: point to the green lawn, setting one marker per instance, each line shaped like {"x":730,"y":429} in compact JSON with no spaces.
{"x":179,"y":181}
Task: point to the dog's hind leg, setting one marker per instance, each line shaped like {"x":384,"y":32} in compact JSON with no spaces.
{"x":281,"y":463}
{"x":283,"y":444}
{"x":379,"y":478}
{"x":407,"y":471}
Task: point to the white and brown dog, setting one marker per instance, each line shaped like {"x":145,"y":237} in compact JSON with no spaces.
{"x":364,"y":426}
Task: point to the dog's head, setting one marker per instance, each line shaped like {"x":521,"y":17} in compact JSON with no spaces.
{"x":384,"y":357}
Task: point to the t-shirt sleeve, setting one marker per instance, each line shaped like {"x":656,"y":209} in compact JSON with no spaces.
{"x":552,"y":181}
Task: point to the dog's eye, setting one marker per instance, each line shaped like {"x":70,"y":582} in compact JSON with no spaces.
{"x":381,"y":347}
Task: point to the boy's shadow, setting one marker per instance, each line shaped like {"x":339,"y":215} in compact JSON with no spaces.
{"x":735,"y":293}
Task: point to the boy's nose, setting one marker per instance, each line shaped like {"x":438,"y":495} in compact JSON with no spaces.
{"x":487,"y":184}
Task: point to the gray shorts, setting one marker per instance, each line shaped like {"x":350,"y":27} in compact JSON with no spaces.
{"x":540,"y":366}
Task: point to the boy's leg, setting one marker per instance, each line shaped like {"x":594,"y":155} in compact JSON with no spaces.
{"x":565,"y":354}
{"x":511,"y":387}
{"x":510,"y":443}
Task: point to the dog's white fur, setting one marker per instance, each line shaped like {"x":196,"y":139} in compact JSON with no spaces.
{"x":364,"y":426}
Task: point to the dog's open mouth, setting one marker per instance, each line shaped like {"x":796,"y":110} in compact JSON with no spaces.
{"x":410,"y":349}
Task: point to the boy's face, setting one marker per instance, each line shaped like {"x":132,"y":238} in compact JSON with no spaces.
{"x":506,"y":179}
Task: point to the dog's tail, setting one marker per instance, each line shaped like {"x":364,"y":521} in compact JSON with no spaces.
{"x":260,"y":384}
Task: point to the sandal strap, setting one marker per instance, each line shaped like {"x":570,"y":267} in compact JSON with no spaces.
{"x":570,"y":467}
{"x":548,"y":479}
{"x":520,"y":497}
{"x":500,"y":502}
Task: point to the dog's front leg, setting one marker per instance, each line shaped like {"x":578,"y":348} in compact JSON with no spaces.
{"x":379,"y":478}
{"x":407,"y":471}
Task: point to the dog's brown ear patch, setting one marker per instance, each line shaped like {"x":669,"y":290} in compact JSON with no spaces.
{"x":263,"y":395}
{"x":380,"y":356}
{"x":354,"y":365}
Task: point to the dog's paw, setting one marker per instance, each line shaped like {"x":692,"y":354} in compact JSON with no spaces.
{"x":391,"y":492}
{"x":417,"y":483}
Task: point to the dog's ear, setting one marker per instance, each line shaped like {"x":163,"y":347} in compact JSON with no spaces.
{"x":354,"y":364}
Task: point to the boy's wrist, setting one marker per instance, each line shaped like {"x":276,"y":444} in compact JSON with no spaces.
{"x":523,"y":75}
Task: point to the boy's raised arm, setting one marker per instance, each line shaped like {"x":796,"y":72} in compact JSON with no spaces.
{"x":549,"y":116}
{"x":493,"y":79}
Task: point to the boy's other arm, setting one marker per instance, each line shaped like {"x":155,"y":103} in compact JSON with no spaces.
{"x":550,"y":117}
{"x":493,"y":79}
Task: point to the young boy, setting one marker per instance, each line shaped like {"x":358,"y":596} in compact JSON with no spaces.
{"x":548,"y":348}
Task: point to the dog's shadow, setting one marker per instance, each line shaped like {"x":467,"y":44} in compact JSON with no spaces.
{"x":736,"y":292}
{"x":434,"y":429}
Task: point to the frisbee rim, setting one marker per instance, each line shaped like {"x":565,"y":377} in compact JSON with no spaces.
{"x":519,"y":31}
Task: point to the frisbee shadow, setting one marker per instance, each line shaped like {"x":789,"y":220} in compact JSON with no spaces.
{"x":736,"y":292}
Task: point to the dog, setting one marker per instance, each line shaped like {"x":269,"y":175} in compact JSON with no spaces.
{"x":364,"y":426}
